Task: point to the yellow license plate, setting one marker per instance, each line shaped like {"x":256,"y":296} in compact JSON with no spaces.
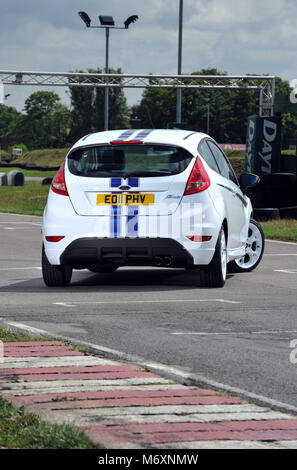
{"x":125,"y":199}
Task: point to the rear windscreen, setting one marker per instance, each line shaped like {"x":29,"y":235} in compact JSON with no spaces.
{"x":128,"y":160}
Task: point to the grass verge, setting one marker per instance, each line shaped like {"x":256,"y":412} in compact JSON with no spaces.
{"x":49,"y":157}
{"x":280,"y":229}
{"x":21,"y":430}
{"x":8,"y":335}
{"x":29,"y":199}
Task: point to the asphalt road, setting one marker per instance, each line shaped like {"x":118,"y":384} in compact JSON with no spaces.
{"x":239,"y":335}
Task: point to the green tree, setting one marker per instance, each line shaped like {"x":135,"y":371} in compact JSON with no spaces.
{"x":229,"y":108}
{"x":8,"y":115}
{"x":45,"y":124}
{"x":87,"y":104}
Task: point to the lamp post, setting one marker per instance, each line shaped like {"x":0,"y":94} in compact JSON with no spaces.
{"x":179,"y":61}
{"x":106,"y":22}
{"x":207,"y":100}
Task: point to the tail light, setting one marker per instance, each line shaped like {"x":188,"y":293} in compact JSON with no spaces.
{"x":58,"y":184}
{"x":54,"y":238}
{"x":198,"y":180}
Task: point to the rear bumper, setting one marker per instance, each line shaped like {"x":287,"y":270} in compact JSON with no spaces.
{"x":125,"y":251}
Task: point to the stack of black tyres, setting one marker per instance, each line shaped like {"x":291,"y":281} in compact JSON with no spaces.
{"x":275,"y":196}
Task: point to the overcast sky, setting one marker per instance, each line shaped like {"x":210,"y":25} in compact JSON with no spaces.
{"x":237,"y":36}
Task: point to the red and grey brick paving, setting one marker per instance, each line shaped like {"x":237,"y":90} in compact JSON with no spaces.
{"x":122,"y":406}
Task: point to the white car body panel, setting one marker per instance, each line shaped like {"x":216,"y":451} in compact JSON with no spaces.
{"x":79,"y":217}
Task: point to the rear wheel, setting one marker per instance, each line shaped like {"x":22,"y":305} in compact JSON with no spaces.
{"x":254,"y":250}
{"x":55,"y":276}
{"x":214,"y":275}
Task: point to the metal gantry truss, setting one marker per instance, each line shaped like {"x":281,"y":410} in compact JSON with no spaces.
{"x":265,"y":84}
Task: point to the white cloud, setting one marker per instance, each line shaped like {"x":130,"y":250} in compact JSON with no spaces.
{"x":236,"y":36}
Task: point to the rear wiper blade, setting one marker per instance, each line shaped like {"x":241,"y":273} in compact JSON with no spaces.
{"x":147,"y":173}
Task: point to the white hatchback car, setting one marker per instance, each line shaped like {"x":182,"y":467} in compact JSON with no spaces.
{"x":165,"y":198}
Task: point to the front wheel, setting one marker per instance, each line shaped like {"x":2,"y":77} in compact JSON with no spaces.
{"x":55,"y":276}
{"x":253,"y":252}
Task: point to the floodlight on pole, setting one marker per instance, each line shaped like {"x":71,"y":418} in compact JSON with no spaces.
{"x":85,"y":17}
{"x":106,"y":22}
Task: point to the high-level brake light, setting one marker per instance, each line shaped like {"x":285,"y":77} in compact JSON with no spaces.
{"x":126,"y":142}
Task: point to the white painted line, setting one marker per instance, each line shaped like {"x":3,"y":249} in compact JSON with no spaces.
{"x":201,"y":333}
{"x":286,"y":271}
{"x":280,"y":254}
{"x":279,"y":241}
{"x":121,"y":302}
{"x":66,"y":361}
{"x":230,"y":415}
{"x":144,"y":410}
{"x":21,"y":215}
{"x":220,"y":445}
{"x":157,"y":367}
{"x":86,"y":387}
{"x":22,"y":268}
{"x":40,"y":386}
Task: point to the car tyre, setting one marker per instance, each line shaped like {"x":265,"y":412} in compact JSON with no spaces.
{"x":55,"y":276}
{"x":254,"y":250}
{"x":214,"y":275}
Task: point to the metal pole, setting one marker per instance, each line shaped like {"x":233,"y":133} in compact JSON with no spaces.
{"x":106,"y":101}
{"x":179,"y":64}
{"x":208,"y":117}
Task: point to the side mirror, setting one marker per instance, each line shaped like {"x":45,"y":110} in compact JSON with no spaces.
{"x":246,"y":180}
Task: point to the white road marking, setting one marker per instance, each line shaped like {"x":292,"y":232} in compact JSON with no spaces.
{"x":221,"y":445}
{"x":22,"y":268}
{"x":86,"y":387}
{"x":159,"y":368}
{"x":280,"y":254}
{"x":201,"y":333}
{"x":230,"y":415}
{"x":146,"y":410}
{"x":286,"y":271}
{"x":42,"y":386}
{"x":281,"y":242}
{"x":66,"y":361}
{"x":121,"y":302}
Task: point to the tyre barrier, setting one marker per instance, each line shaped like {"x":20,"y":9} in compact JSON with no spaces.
{"x":278,"y":180}
{"x":3,"y":179}
{"x":46,"y":181}
{"x":15,"y":178}
{"x":279,"y":190}
{"x":29,"y":166}
{"x":262,"y":214}
{"x":288,"y":212}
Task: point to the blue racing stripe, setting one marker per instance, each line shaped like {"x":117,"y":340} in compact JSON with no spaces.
{"x":133,"y":182}
{"x":142,"y":134}
{"x":115,"y":221}
{"x":132,"y":219}
{"x":115,"y":182}
{"x":124,"y":135}
{"x":115,"y":218}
